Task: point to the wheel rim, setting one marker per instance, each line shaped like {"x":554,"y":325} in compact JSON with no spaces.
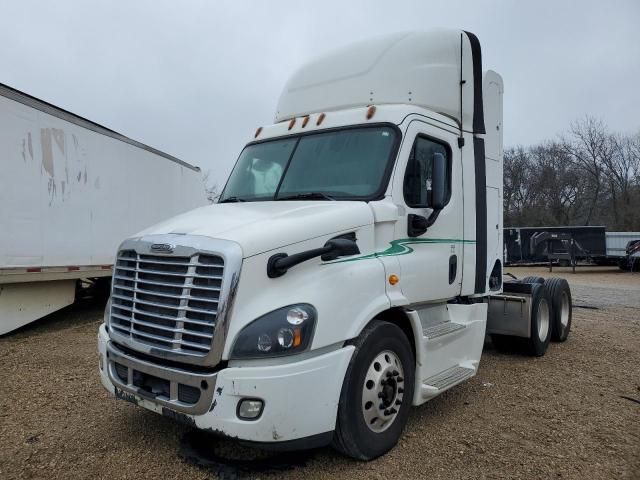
{"x":382,"y":391}
{"x":543,"y":320}
{"x":564,"y":310}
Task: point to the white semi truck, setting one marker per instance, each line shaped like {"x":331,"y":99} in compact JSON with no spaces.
{"x":351,"y":269}
{"x":70,"y":191}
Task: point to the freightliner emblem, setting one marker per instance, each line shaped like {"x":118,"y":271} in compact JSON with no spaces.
{"x":162,"y":247}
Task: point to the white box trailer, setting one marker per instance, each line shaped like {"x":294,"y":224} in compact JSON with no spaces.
{"x":70,"y":191}
{"x":617,"y":243}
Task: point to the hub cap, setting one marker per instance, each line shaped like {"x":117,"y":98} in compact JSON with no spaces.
{"x":564,"y":310}
{"x":383,"y":391}
{"x":543,"y":320}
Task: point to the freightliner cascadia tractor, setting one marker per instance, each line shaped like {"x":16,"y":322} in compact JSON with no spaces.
{"x":351,"y":269}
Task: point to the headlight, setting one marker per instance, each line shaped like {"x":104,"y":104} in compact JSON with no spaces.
{"x":285,"y":331}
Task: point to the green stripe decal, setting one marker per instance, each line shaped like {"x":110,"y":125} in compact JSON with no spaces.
{"x":401,"y":247}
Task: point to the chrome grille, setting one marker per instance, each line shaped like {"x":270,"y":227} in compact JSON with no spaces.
{"x":165,"y":301}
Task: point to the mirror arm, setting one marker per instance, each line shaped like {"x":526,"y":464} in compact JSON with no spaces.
{"x":279,"y":263}
{"x":433,"y":217}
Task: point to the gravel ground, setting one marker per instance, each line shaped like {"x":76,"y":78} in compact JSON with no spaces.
{"x":559,"y":416}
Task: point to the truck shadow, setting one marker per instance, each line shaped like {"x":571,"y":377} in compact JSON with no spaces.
{"x":229,"y":459}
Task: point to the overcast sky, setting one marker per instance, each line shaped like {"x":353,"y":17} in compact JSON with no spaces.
{"x":195,"y":78}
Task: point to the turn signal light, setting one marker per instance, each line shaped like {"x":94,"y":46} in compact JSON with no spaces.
{"x":393,"y":279}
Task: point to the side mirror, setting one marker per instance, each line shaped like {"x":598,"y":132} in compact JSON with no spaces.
{"x":416,"y":225}
{"x":438,"y":182}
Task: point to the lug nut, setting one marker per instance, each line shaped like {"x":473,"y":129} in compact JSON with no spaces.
{"x":387,"y":412}
{"x":398,"y":402}
{"x":393,"y":410}
{"x":401,"y":390}
{"x":399,"y":379}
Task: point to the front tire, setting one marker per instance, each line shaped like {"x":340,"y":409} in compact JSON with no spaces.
{"x":377,"y":392}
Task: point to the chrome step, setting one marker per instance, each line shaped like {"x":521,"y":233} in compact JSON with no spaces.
{"x":448,"y":378}
{"x":442,"y":329}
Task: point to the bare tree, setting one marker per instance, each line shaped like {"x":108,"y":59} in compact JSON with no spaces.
{"x":590,"y":176}
{"x":622,"y":170}
{"x":589,"y":146}
{"x":516,"y":192}
{"x":557,"y":185}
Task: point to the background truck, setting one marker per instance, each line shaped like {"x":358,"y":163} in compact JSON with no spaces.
{"x":349,"y":267}
{"x":70,"y":191}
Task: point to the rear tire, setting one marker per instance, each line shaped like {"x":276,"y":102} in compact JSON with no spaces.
{"x":366,"y":427}
{"x":532,"y":280}
{"x":540,"y":334}
{"x":561,"y":308}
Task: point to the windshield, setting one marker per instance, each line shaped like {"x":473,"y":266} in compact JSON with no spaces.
{"x":347,"y":164}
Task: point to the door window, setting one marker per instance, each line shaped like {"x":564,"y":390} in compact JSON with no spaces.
{"x":419,"y":172}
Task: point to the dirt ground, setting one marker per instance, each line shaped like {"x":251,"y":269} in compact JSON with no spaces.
{"x":560,"y":416}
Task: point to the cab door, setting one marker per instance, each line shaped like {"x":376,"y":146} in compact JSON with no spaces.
{"x":431,"y":261}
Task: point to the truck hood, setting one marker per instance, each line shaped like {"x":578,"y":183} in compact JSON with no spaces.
{"x":262,"y":226}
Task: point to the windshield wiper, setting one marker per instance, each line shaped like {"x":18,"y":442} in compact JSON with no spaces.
{"x":307,"y":196}
{"x":232,"y":200}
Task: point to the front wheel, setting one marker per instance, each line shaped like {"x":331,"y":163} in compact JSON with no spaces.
{"x":377,"y":392}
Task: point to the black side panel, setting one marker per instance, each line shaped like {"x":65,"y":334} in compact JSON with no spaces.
{"x":517,"y":287}
{"x":478,"y":110}
{"x":481,"y":214}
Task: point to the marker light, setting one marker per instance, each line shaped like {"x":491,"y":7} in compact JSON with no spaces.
{"x":320,"y":118}
{"x":393,"y":279}
{"x":371,"y":111}
{"x":257,"y":132}
{"x":305,"y":120}
{"x":292,"y":122}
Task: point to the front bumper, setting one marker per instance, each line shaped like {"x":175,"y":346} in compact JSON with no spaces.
{"x":300,"y":398}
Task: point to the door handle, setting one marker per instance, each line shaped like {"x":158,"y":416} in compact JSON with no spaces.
{"x":453,"y":268}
